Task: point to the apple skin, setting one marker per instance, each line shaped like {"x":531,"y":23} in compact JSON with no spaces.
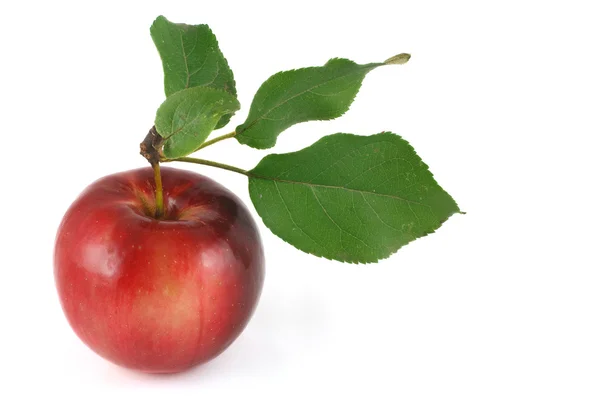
{"x":158,"y":296}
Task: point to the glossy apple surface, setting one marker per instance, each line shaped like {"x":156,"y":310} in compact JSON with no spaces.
{"x":158,"y":295}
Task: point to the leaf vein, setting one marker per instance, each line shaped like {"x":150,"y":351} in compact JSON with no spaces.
{"x":296,"y":95}
{"x":195,"y":44}
{"x":378,"y":216}
{"x":200,"y":67}
{"x":336,"y":224}
{"x":292,"y":218}
{"x":372,"y":168}
{"x":268,"y":178}
{"x":185,"y":61}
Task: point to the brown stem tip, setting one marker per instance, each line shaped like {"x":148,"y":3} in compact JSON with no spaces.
{"x":151,"y":146}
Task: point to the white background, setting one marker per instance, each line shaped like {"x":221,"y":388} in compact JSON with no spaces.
{"x":501,"y":99}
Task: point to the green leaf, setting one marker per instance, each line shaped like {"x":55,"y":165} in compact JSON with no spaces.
{"x":186,"y":118}
{"x":349,"y":198}
{"x":191,"y":57}
{"x":315,"y":93}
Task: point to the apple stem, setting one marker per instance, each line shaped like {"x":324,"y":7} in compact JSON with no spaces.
{"x":210,"y":164}
{"x":215,"y":140}
{"x":150,"y":148}
{"x":158,"y":191}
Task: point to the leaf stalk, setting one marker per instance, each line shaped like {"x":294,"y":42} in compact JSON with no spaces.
{"x":215,"y":140}
{"x":209,"y":163}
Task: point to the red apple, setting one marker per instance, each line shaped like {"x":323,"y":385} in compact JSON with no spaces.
{"x":158,"y":295}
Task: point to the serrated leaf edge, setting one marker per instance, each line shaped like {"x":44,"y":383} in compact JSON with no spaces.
{"x":426,"y":233}
{"x":229,"y":72}
{"x":272,"y":143}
